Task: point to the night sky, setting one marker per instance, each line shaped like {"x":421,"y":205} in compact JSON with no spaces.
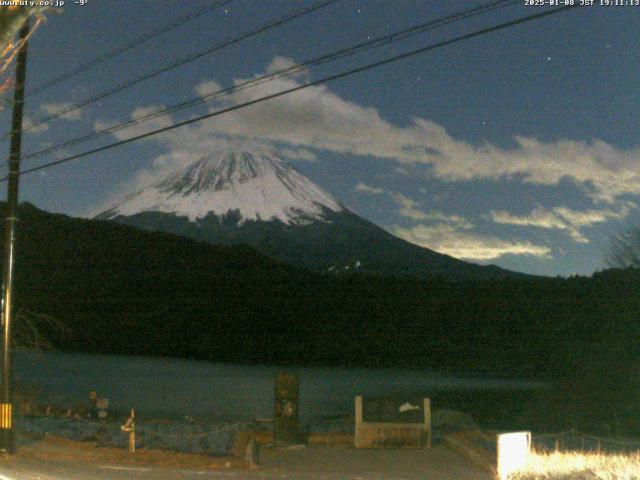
{"x":519,"y":148}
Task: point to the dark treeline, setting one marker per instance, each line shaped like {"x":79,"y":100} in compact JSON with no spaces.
{"x":125,"y":291}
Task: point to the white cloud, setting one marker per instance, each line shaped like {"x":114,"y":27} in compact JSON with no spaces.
{"x":451,"y":240}
{"x":298,"y":154}
{"x":279,"y":64}
{"x":454,"y":220}
{"x":363,"y":187}
{"x":207,"y":88}
{"x":54,"y":108}
{"x":134,"y":130}
{"x":538,"y":217}
{"x":563,"y":218}
{"x":28,"y":123}
{"x":454,"y":235}
{"x":408,"y":207}
{"x":581,"y":218}
{"x":318,"y":119}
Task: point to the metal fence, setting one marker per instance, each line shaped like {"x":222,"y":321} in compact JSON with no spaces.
{"x":214,"y":439}
{"x":574,"y":440}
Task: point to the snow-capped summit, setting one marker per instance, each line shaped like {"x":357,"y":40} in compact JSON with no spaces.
{"x":259,"y":187}
{"x":256,"y":199}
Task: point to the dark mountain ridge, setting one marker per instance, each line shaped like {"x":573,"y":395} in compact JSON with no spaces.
{"x":124,"y":290}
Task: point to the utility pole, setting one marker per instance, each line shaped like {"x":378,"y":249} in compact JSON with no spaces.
{"x":7,"y":443}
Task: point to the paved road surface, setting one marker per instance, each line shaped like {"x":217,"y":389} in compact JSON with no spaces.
{"x":307,"y":463}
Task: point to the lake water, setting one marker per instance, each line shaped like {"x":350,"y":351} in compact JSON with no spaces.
{"x":162,"y":387}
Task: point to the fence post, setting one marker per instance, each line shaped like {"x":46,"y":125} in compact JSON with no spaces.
{"x":130,"y":427}
{"x":132,"y":433}
{"x":358,"y":420}
{"x":426,"y":407}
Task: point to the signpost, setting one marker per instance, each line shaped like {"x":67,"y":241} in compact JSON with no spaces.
{"x":287,"y":416}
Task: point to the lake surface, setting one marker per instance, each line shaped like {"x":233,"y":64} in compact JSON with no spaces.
{"x":163,"y":387}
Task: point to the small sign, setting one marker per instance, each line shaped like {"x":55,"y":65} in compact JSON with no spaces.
{"x":392,"y":410}
{"x":102,"y":414}
{"x":102,"y":403}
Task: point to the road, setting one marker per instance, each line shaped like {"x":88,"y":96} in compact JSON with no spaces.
{"x":304,"y":463}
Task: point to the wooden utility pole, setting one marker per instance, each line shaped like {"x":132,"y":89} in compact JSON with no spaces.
{"x":7,"y":443}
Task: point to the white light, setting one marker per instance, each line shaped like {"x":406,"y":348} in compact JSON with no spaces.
{"x":513,"y":451}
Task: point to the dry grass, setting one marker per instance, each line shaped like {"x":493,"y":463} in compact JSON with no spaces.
{"x":580,"y":466}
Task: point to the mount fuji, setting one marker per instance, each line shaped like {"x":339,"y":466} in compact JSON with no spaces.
{"x":260,"y":200}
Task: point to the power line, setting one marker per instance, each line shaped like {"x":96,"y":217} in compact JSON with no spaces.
{"x":330,"y":78}
{"x":145,"y":37}
{"x":190,"y":58}
{"x":400,"y":35}
{"x":342,"y":53}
